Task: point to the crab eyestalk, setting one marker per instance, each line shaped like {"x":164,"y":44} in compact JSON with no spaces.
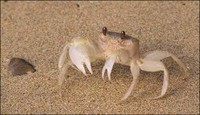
{"x":104,"y":30}
{"x":123,"y":35}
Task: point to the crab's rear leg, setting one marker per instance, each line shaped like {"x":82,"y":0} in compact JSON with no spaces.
{"x":63,"y":56}
{"x":63,"y":72}
{"x":159,"y":55}
{"x":135,"y":71}
{"x":62,"y":65}
{"x":153,"y":66}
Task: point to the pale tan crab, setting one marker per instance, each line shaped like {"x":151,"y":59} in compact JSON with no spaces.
{"x":114,"y":48}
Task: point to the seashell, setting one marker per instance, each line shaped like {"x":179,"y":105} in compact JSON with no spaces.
{"x":20,"y":66}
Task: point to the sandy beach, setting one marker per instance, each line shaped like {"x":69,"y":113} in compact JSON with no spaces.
{"x":38,"y":31}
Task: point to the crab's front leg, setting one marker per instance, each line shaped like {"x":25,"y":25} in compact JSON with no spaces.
{"x":108,"y":66}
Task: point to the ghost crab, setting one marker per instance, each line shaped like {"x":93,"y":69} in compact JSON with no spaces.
{"x":114,"y":48}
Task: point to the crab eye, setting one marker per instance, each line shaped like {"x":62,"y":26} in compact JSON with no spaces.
{"x":104,"y":30}
{"x":123,"y":35}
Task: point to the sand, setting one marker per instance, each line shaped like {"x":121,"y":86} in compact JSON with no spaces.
{"x":38,"y":31}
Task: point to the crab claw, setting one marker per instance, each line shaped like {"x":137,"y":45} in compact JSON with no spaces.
{"x":108,"y":66}
{"x":79,"y":57}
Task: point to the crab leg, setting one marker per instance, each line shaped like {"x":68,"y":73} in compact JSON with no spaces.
{"x":63,"y":56}
{"x":135,"y":71}
{"x":159,"y":55}
{"x":108,"y":66}
{"x":153,"y":66}
{"x":62,"y":73}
